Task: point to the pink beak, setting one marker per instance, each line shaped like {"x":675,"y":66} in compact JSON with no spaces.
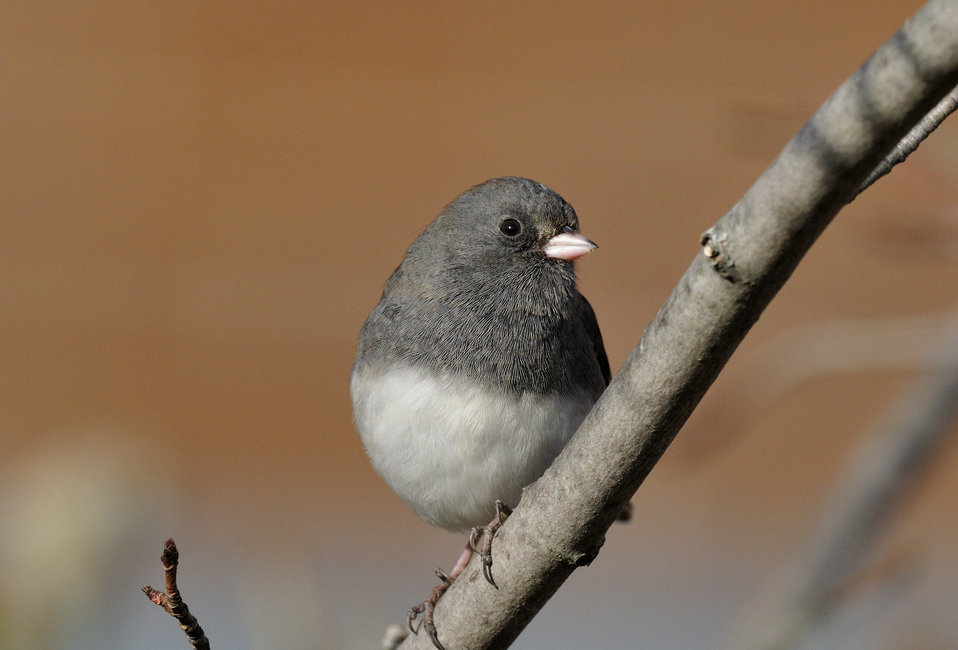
{"x":568,"y":245}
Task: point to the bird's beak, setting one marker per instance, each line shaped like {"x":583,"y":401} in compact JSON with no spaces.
{"x":568,"y":245}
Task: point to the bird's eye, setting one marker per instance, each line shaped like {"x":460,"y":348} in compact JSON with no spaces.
{"x":510,"y":227}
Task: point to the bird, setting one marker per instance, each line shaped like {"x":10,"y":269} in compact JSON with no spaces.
{"x":479,"y":362}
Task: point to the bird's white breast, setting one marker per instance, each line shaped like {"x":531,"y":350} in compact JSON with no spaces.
{"x":449,"y":448}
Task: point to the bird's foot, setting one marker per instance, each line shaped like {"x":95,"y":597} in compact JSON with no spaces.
{"x":480,"y":540}
{"x":428,"y":606}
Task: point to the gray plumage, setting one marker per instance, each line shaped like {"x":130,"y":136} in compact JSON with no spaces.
{"x":476,"y":307}
{"x":468,"y":299}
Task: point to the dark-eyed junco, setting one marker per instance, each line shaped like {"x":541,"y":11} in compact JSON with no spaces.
{"x":482,"y":357}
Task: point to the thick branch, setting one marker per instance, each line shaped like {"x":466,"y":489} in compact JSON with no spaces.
{"x":747,"y":256}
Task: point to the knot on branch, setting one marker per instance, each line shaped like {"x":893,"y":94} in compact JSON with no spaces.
{"x":716,"y":251}
{"x":582,"y":553}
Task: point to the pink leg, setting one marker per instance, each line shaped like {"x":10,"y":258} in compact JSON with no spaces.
{"x":428,"y":606}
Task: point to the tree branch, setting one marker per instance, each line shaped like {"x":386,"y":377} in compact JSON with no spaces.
{"x":171,"y":600}
{"x":910,"y":142}
{"x":747,"y":256}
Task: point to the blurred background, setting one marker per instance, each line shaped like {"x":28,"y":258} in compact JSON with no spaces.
{"x":200,"y":202}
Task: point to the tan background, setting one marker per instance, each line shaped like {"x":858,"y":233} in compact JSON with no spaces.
{"x":200,"y":203}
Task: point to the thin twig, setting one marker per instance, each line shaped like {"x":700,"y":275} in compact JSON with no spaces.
{"x":914,"y":138}
{"x":173,"y":603}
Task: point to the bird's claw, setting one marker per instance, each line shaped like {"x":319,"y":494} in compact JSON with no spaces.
{"x":426,"y":608}
{"x":484,"y":549}
{"x":446,"y":580}
{"x":486,"y":533}
{"x":413,"y":614}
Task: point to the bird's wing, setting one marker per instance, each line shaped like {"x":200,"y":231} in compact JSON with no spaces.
{"x":592,"y":326}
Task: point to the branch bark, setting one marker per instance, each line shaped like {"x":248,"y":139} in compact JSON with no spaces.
{"x":171,"y":600}
{"x":746,"y":257}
